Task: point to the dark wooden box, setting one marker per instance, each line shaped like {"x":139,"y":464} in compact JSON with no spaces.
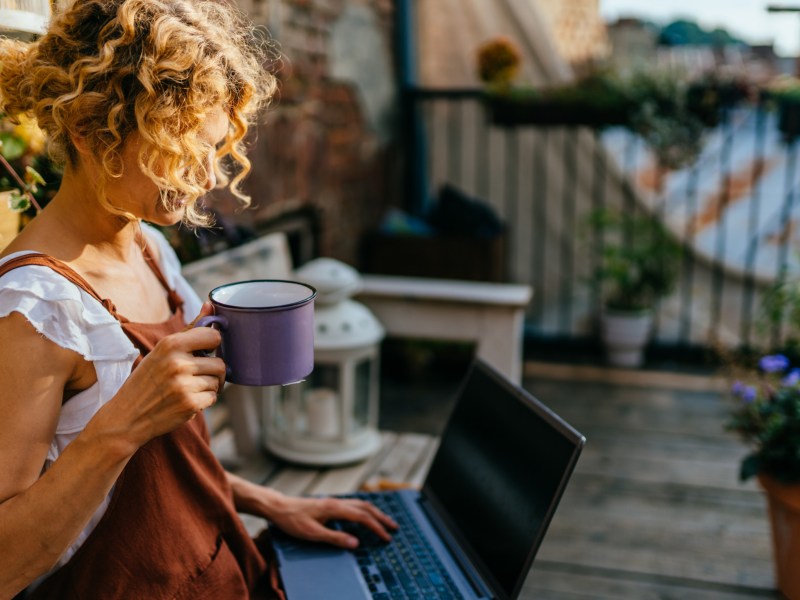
{"x":447,"y":257}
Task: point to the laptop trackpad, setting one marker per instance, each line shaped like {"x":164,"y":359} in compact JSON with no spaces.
{"x":334,"y":570}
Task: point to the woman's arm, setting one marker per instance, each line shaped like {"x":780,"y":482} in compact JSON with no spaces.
{"x":41,"y":516}
{"x":306,"y":517}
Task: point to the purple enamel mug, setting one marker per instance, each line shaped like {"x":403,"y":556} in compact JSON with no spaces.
{"x":267,"y":329}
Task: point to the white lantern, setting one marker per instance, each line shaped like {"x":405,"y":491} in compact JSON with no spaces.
{"x":330,"y":418}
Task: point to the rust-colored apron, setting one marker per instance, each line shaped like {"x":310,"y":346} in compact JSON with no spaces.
{"x":171,"y":528}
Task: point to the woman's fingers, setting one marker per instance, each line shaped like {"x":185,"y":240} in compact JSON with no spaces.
{"x":317,"y":532}
{"x":365,"y":514}
{"x":192,"y":340}
{"x":208,"y":365}
{"x":375,"y":520}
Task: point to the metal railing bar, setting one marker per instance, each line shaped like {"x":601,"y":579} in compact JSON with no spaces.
{"x":749,"y":283}
{"x":783,"y":225}
{"x":571,"y":150}
{"x":598,"y":203}
{"x":687,"y":267}
{"x":718,"y":281}
{"x":540,"y":200}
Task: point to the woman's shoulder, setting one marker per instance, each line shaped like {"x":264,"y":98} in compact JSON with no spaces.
{"x":61,"y":311}
{"x":15,"y":271}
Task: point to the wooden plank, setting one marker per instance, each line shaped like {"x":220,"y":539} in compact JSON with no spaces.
{"x":631,"y":521}
{"x":754,"y":573}
{"x":347,"y":479}
{"x":562,"y":582}
{"x":398,"y":464}
{"x":294,"y":481}
{"x":697,"y":415}
{"x":626,"y":377}
{"x":254,"y":525}
{"x":223,"y":446}
{"x":657,"y":444}
{"x":591,"y":485}
{"x":417,"y":476}
{"x":661,"y":470}
{"x":258,"y":468}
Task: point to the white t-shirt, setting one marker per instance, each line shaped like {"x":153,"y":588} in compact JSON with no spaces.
{"x":71,"y":318}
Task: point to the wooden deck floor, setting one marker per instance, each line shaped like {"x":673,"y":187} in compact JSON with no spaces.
{"x":654,"y":510}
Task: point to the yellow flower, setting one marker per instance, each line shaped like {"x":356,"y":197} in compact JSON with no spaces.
{"x":29,"y":132}
{"x":498,"y":61}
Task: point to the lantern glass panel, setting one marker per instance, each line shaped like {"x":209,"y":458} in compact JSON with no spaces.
{"x":320,"y":404}
{"x":324,"y":376}
{"x":363,"y":381}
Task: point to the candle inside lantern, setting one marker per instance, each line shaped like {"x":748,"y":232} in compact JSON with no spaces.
{"x":321,"y":408}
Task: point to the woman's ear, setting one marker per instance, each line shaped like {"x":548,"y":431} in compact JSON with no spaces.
{"x":79,"y":143}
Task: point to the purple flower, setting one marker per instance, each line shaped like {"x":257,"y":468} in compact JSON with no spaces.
{"x":792,"y":379}
{"x":749,"y":394}
{"x":746,"y":392}
{"x":773,"y":363}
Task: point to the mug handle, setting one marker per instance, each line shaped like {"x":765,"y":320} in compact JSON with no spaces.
{"x":211,"y":320}
{"x":222,"y":324}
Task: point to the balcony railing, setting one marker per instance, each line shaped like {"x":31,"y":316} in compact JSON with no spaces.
{"x":733,"y":209}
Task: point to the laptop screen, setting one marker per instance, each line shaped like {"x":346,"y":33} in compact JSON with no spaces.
{"x":499,"y":470}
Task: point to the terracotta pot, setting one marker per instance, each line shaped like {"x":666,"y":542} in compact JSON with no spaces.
{"x":784,"y":512}
{"x":9,"y":221}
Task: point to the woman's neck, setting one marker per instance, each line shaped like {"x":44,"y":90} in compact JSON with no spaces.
{"x":77,"y":225}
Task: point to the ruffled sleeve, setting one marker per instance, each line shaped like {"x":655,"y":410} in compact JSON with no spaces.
{"x":69,"y":317}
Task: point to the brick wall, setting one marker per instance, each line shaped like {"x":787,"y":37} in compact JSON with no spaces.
{"x":318,"y":146}
{"x":578,"y":29}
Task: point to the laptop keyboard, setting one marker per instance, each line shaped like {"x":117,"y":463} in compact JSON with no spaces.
{"x":405,"y":568}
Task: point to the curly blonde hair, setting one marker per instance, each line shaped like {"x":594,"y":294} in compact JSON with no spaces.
{"x":107,"y":68}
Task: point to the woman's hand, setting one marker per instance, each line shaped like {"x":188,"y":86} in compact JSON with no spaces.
{"x":306,"y":518}
{"x":169,"y":387}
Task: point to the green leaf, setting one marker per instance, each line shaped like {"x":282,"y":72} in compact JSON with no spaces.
{"x":12,"y":146}
{"x":32,"y":176}
{"x":18,"y":202}
{"x":751,"y":465}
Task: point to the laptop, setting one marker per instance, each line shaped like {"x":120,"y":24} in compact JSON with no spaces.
{"x":474,"y":528}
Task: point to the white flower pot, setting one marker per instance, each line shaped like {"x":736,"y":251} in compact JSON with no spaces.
{"x":625,"y":335}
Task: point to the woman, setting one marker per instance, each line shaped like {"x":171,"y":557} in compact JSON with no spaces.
{"x":109,"y":489}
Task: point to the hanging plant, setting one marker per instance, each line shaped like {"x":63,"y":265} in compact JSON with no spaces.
{"x":667,"y":110}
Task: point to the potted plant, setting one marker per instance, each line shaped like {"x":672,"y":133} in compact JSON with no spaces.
{"x":23,"y":162}
{"x":638,"y":265}
{"x":767,"y":417}
{"x":785,"y":92}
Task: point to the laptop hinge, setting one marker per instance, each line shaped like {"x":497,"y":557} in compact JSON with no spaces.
{"x":458,"y":555}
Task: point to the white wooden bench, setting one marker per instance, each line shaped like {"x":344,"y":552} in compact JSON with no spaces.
{"x":490,"y":314}
{"x":267,"y":257}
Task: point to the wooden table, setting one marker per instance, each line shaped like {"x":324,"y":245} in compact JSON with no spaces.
{"x":403,"y":458}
